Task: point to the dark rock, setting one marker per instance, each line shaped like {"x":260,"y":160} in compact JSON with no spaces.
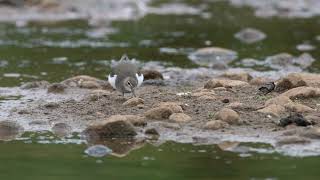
{"x":267,"y":88}
{"x":152,"y":131}
{"x":225,"y":100}
{"x":151,"y":74}
{"x":297,"y":119}
{"x":56,"y":88}
{"x":51,"y":105}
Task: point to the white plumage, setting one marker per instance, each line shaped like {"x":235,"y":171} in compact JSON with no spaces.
{"x":112,"y":80}
{"x":140,"y":79}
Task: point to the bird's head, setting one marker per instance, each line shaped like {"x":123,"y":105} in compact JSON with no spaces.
{"x":130,"y":84}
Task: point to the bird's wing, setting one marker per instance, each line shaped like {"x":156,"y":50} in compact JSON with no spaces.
{"x":140,"y":79}
{"x":112,"y":80}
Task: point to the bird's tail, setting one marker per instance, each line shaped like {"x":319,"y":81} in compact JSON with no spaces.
{"x":124,"y":58}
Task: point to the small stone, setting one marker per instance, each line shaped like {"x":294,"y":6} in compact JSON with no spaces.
{"x":51,"y":105}
{"x":274,"y":110}
{"x":250,"y":35}
{"x":83,"y":81}
{"x":267,"y":88}
{"x":297,"y":119}
{"x":179,"y":117}
{"x":151,"y":74}
{"x":225,"y":100}
{"x":159,"y":113}
{"x":246,"y":77}
{"x":98,"y":151}
{"x":305,"y":47}
{"x":10,"y":130}
{"x":213,"y":57}
{"x":216,"y":124}
{"x":152,"y":131}
{"x":61,"y":129}
{"x":56,"y":88}
{"x":214,"y":83}
{"x":175,"y":107}
{"x":133,"y":102}
{"x":36,"y":84}
{"x":235,"y":105}
{"x":228,"y":115}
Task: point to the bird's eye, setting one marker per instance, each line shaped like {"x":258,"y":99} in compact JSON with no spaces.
{"x":129,"y":83}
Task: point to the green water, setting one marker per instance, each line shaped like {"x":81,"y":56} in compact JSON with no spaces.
{"x":29,"y":51}
{"x":168,"y":161}
{"x":34,"y":53}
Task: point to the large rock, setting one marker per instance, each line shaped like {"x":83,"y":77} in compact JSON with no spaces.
{"x":215,"y":125}
{"x":238,"y":76}
{"x":151,"y":74}
{"x":159,"y":113}
{"x":299,"y":108}
{"x":133,"y":102}
{"x":87,"y":82}
{"x":250,"y":35}
{"x":279,"y":100}
{"x":302,"y":92}
{"x":180,"y":117}
{"x":298,"y":79}
{"x":228,"y":115}
{"x":274,"y":110}
{"x":214,"y":83}
{"x":213,"y":57}
{"x":313,"y":133}
{"x":114,"y":127}
{"x":287,"y":61}
{"x":175,"y":107}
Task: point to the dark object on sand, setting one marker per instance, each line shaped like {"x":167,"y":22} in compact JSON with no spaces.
{"x":267,"y":88}
{"x":298,"y":119}
{"x":17,"y":3}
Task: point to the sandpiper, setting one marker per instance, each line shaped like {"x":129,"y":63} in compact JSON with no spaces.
{"x":124,"y":77}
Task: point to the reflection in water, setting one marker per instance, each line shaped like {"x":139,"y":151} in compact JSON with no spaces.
{"x":121,"y":147}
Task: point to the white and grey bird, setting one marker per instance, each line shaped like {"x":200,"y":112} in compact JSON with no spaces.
{"x":125,"y":77}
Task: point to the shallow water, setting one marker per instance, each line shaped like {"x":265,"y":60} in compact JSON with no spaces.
{"x":168,"y":161}
{"x":56,"y":51}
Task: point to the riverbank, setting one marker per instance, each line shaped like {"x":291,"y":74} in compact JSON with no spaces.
{"x":210,"y":110}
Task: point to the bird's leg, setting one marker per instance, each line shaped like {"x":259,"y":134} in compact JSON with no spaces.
{"x":133,"y":93}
